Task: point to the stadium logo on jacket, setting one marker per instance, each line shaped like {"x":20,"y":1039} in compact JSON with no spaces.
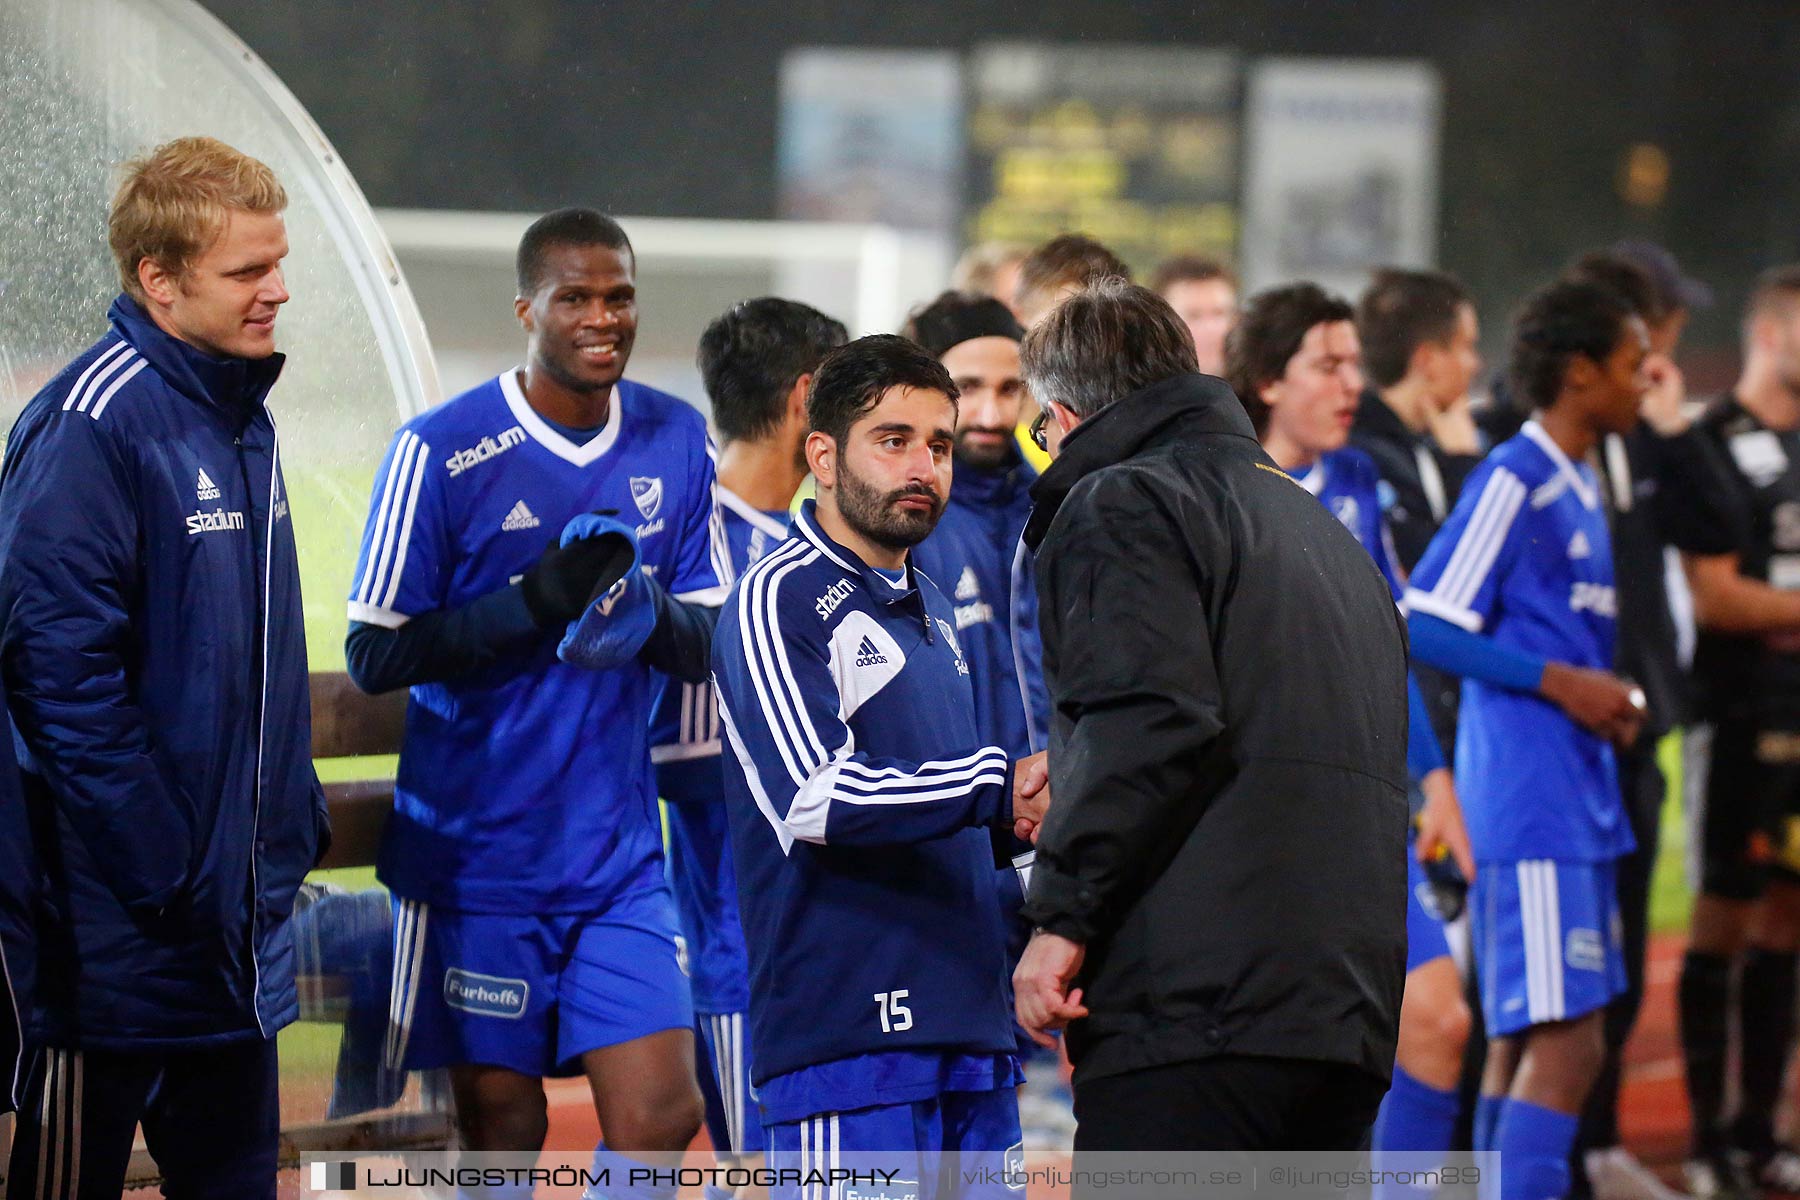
{"x":976,"y":610}
{"x":647,"y":491}
{"x":213,"y":522}
{"x":834,"y":595}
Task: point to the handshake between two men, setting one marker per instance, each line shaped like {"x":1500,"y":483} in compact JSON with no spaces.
{"x":1031,"y":795}
{"x":1044,"y":997}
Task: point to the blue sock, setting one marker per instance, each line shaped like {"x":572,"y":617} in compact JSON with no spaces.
{"x":1534,"y":1144}
{"x":617,"y":1169}
{"x":1487,"y":1121}
{"x":1418,"y":1119}
{"x":1415,"y":1116}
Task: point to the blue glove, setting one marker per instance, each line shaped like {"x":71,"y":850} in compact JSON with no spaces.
{"x":617,"y":620}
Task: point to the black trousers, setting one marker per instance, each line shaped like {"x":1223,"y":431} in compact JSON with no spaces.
{"x":212,"y":1121}
{"x":1231,"y":1102}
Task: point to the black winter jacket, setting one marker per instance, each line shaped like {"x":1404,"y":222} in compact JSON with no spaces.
{"x":1227,"y":833}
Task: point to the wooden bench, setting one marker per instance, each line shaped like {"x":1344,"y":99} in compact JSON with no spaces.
{"x":348,"y":724}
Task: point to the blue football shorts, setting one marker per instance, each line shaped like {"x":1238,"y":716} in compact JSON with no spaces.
{"x":532,"y":993}
{"x":953,"y":1146}
{"x":1424,"y":930}
{"x":1548,"y":944}
{"x":722,"y":1054}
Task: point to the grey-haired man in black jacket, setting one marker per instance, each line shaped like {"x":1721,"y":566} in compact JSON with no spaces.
{"x":1220,"y":892}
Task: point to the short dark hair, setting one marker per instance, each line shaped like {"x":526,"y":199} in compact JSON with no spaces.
{"x":852,"y":379}
{"x":750,"y":357}
{"x":1268,"y":335}
{"x":1073,"y":258}
{"x":1190,"y":268}
{"x":1776,"y":291}
{"x":957,"y":317}
{"x":1623,"y":277}
{"x":1103,"y":343}
{"x":1401,"y":311}
{"x":565,"y":227}
{"x":1557,"y":323}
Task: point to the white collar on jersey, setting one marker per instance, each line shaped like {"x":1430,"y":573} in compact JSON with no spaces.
{"x":1548,"y":445}
{"x":541,"y":433}
{"x":1314,"y":480}
{"x":752,"y":514}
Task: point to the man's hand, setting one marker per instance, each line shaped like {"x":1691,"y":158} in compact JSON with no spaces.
{"x":1665,"y":400}
{"x":1598,"y":701}
{"x":593,"y":553}
{"x":1441,"y":829}
{"x":1454,"y":428}
{"x":1031,"y":795}
{"x":1041,"y":996}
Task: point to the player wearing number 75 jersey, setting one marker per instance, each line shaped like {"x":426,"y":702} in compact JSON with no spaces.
{"x":867,"y":817}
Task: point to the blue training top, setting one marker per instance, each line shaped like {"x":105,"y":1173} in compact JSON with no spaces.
{"x":863,"y":809}
{"x":970,"y":557}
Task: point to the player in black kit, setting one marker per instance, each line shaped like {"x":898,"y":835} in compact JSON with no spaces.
{"x":1732,"y":505}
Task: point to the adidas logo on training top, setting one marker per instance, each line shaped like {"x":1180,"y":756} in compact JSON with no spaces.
{"x":968,"y":587}
{"x":205,"y":488}
{"x":868,"y":654}
{"x":1578,"y":545}
{"x":519,"y":518}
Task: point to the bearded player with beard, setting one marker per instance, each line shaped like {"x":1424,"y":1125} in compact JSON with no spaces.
{"x":974,"y":554}
{"x":865,"y":808}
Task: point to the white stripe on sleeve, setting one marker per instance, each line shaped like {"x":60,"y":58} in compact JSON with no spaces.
{"x":1415,"y":601}
{"x":380,"y":542}
{"x":1481,"y":540}
{"x":840,"y":781}
{"x":112,"y":389}
{"x":406,"y":528}
{"x":112,"y":353}
{"x":790,"y":726}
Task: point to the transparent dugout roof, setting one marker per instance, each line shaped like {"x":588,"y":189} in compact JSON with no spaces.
{"x":89,"y":84}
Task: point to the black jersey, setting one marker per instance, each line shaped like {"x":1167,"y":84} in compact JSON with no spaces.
{"x":1732,"y":486}
{"x":1631,"y":472}
{"x":1422,"y":480}
{"x":1419,"y":485}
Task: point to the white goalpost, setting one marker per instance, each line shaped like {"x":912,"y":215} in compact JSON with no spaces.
{"x":460,"y":268}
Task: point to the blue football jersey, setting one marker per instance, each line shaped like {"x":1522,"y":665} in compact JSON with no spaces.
{"x":1346,"y":482}
{"x":684,"y":745}
{"x":526,"y":787}
{"x":1526,"y":559}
